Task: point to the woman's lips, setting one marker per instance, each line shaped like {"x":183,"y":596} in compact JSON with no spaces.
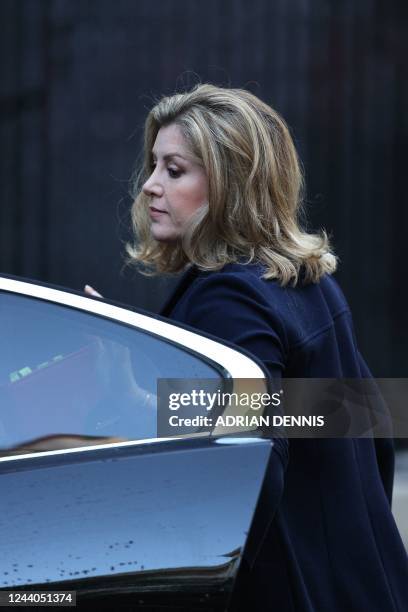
{"x":156,"y":212}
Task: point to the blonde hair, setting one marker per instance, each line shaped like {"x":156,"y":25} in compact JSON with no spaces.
{"x":255,"y":187}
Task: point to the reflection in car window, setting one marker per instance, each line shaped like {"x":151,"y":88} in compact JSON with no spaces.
{"x":64,"y":371}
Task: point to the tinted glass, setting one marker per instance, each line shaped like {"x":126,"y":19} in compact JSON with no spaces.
{"x":64,"y":371}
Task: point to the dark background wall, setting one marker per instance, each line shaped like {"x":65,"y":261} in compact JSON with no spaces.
{"x":78,"y":76}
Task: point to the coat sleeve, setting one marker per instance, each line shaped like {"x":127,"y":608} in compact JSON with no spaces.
{"x":235,"y":309}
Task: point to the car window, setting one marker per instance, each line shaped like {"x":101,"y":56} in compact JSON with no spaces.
{"x":66,"y":371}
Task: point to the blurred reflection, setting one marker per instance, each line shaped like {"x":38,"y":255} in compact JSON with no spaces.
{"x":64,"y":371}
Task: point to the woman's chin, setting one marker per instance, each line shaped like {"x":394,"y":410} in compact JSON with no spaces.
{"x":163,"y":235}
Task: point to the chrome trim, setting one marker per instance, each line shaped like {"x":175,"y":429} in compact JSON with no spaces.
{"x":78,"y":449}
{"x":227,"y":439}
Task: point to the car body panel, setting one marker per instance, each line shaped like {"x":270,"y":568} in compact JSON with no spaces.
{"x":174,"y":513}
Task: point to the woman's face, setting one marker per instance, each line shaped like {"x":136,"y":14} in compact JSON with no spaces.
{"x":177,"y":187}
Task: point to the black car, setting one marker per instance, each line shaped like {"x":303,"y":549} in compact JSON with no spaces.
{"x":94,"y":498}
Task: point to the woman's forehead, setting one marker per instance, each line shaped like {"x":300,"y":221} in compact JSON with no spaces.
{"x":170,"y":138}
{"x":171,"y":142}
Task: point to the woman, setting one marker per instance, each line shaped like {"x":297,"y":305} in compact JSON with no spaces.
{"x":220,"y":198}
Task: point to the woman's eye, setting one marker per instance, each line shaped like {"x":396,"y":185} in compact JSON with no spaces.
{"x":174,"y":172}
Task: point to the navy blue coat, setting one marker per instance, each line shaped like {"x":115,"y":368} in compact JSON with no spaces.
{"x":332,"y":545}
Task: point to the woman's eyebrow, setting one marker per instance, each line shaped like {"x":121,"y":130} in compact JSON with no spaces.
{"x":169,"y":156}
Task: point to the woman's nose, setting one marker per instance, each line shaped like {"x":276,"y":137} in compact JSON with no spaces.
{"x":152,"y":186}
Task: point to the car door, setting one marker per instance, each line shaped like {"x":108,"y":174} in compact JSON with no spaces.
{"x":94,"y":498}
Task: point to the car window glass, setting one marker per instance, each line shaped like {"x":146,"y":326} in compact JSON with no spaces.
{"x":64,"y":371}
